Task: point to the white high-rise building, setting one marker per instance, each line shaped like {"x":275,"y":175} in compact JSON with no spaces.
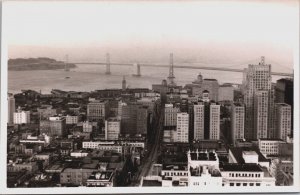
{"x":199,"y":121}
{"x":237,"y":121}
{"x":214,"y":122}
{"x":257,"y":78}
{"x":21,"y":117}
{"x":261,"y":111}
{"x":182,"y":127}
{"x":11,"y":108}
{"x":112,"y":129}
{"x":283,"y":120}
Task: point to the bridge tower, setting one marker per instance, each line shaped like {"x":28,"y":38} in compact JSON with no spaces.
{"x":107,"y":64}
{"x":66,"y":63}
{"x":137,"y":67}
{"x":171,"y":76}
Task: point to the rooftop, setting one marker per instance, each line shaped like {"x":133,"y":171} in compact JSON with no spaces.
{"x":104,"y":175}
{"x":238,"y":154}
{"x":203,"y":156}
{"x":241,"y":167}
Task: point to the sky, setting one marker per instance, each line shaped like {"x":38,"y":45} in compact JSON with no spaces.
{"x":195,"y":31}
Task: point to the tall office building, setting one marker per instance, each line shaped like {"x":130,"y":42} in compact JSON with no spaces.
{"x":129,"y":118}
{"x":97,"y":110}
{"x":112,"y":129}
{"x":206,"y":121}
{"x":214,"y":122}
{"x":257,"y":81}
{"x":182,"y":127}
{"x":170,"y":115}
{"x":199,"y":121}
{"x":284,"y":93}
{"x":283,"y":120}
{"x":11,"y":108}
{"x":261,"y":114}
{"x":134,"y":119}
{"x":237,"y":121}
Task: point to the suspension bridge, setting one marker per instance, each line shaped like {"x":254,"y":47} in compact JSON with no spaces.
{"x":137,"y":66}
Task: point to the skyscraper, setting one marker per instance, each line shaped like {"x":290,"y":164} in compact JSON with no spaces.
{"x":11,"y":108}
{"x":283,"y":120}
{"x":257,"y":81}
{"x":170,"y":115}
{"x":199,"y":121}
{"x":112,"y":129}
{"x":237,"y":121}
{"x":182,"y":127}
{"x":214,"y":121}
{"x":206,"y":121}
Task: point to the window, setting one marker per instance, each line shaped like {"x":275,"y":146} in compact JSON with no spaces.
{"x":251,"y":184}
{"x":257,"y":184}
{"x":244,"y":184}
{"x":231,"y":184}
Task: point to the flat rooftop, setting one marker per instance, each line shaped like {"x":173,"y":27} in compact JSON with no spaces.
{"x":241,"y":167}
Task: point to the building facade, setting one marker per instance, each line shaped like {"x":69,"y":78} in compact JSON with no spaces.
{"x":237,"y":122}
{"x":112,"y":129}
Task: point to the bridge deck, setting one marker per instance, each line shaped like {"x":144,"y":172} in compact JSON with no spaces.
{"x":178,"y":66}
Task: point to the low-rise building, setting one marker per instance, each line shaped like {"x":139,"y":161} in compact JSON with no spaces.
{"x":101,"y":179}
{"x":269,"y":146}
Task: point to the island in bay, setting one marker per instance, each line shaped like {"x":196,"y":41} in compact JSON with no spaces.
{"x":42,"y":63}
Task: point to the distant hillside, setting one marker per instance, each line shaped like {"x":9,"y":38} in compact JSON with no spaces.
{"x":36,"y":64}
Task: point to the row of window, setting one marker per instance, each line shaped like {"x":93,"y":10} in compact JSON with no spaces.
{"x":244,"y":184}
{"x":244,"y":175}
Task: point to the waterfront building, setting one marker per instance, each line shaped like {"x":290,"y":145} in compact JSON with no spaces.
{"x":170,"y":118}
{"x":72,"y":119}
{"x":199,"y":121}
{"x":269,"y":146}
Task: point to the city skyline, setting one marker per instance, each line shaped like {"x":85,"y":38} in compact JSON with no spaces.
{"x":191,"y":97}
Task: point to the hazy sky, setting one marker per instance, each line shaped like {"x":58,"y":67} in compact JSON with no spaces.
{"x":141,"y":30}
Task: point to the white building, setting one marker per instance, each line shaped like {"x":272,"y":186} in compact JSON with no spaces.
{"x":203,"y":169}
{"x":269,"y":146}
{"x":112,"y":129}
{"x":72,"y":119}
{"x":283,"y":120}
{"x":87,"y":127}
{"x":214,"y":122}
{"x":199,"y":121}
{"x":182,"y":127}
{"x":237,"y":122}
{"x":22,"y":117}
{"x":246,"y":175}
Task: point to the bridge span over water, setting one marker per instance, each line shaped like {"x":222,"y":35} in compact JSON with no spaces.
{"x":138,"y":66}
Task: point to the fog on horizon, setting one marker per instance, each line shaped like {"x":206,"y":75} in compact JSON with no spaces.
{"x":213,"y":32}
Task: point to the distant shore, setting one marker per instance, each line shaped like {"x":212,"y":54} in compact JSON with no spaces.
{"x":23,"y":64}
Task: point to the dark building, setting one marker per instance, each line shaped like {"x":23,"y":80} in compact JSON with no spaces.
{"x":134,"y":119}
{"x":284,"y":93}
